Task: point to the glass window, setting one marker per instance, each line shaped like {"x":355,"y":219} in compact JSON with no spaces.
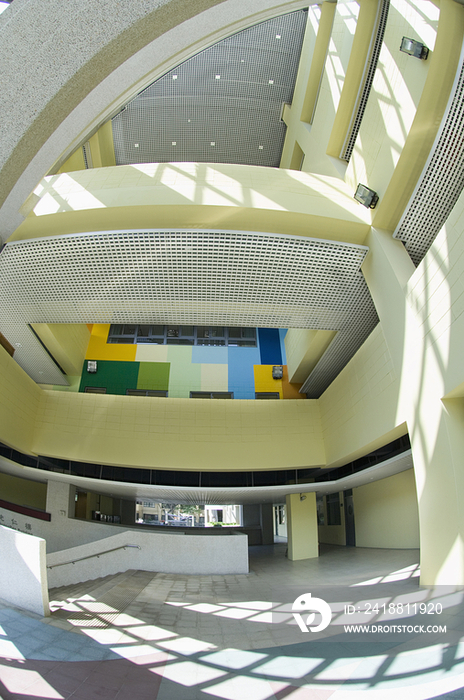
{"x":211,"y":394}
{"x":333,"y":509}
{"x":215,"y":336}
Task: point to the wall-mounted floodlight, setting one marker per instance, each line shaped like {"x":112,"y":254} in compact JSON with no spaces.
{"x":91,"y":366}
{"x":366,"y":197}
{"x":277,"y":372}
{"x":414,"y":48}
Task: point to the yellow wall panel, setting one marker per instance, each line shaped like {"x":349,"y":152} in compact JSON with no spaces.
{"x":191,"y":194}
{"x":151,"y":353}
{"x":214,"y":377}
{"x":98,"y":348}
{"x":191,"y":434}
{"x":264,"y":380}
{"x":359,"y":410}
{"x":386,"y":513}
{"x":290,"y":391}
{"x":19,"y":402}
{"x":67,"y":342}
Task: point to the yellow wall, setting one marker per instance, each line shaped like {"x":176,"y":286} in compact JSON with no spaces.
{"x":302,"y":526}
{"x":235,"y":197}
{"x":19,"y":403}
{"x":67,"y":342}
{"x":313,"y":139}
{"x":386,"y":513}
{"x":102,"y":147}
{"x":99,"y":348}
{"x":101,"y":151}
{"x":298,"y":115}
{"x":264,"y":380}
{"x":23,"y":492}
{"x":304,"y":348}
{"x":75,"y":162}
{"x":398,"y":85}
{"x":359,"y":409}
{"x":365,"y":27}
{"x":187,"y":434}
{"x":441,"y":72}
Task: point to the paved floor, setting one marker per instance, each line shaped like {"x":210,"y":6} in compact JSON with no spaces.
{"x":139,"y":636}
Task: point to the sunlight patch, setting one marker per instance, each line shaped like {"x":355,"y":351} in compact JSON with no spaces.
{"x":19,"y":681}
{"x":205,"y":608}
{"x":108,"y":636}
{"x":235,"y":659}
{"x":8,"y":650}
{"x":288,"y":667}
{"x":150,"y":633}
{"x":235,"y":613}
{"x":240,"y":687}
{"x":187,"y":645}
{"x":189,"y":673}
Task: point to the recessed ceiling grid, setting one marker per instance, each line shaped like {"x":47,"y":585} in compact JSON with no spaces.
{"x":183,"y":277}
{"x":441,"y":182}
{"x":222,"y":105}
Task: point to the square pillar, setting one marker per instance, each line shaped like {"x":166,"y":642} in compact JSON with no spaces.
{"x":302,"y":526}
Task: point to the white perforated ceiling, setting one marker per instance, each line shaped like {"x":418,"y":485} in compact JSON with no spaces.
{"x":190,"y":277}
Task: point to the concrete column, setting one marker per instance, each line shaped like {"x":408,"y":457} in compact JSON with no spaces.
{"x":302,"y":526}
{"x":405,"y":300}
{"x":128,"y":514}
{"x":267,"y":524}
{"x":60,"y":500}
{"x":251,"y":515}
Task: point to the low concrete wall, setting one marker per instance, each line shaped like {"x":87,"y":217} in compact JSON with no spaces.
{"x":23,"y":573}
{"x":165,"y":550}
{"x":172,"y":552}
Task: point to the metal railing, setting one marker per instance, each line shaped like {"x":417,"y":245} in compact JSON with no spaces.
{"x":91,"y":556}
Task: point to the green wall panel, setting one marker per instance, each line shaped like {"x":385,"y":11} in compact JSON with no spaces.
{"x":115,"y":376}
{"x":153,"y":375}
{"x":184,"y":376}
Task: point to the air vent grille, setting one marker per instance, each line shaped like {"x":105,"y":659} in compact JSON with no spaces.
{"x":365,"y":89}
{"x":441,"y":182}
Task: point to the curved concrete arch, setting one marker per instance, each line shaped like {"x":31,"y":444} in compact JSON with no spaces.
{"x":69,"y":85}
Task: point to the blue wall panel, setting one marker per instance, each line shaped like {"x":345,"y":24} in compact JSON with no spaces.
{"x":269,"y":343}
{"x":282,"y":334}
{"x":241,"y":372}
{"x":209,"y":356}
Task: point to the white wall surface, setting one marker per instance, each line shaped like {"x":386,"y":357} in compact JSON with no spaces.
{"x":167,"y":552}
{"x":173,"y":551}
{"x":23,"y":574}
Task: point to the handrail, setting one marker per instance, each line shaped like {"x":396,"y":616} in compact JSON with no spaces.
{"x":90,"y":556}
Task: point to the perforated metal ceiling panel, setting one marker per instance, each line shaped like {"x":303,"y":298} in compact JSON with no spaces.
{"x":441,"y":182}
{"x":222,"y":105}
{"x":189,"y":277}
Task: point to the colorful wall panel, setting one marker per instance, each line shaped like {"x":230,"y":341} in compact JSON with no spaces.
{"x":181,"y":369}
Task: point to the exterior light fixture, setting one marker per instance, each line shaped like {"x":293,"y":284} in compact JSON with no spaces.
{"x":277,"y":372}
{"x":91,"y":366}
{"x":302,"y":497}
{"x":414,"y":48}
{"x":366,"y":197}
